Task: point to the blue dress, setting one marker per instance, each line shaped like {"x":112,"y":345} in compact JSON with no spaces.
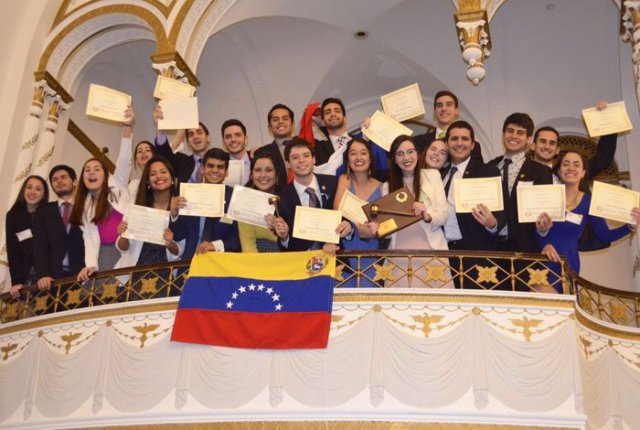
{"x":565,"y":236}
{"x":359,"y":244}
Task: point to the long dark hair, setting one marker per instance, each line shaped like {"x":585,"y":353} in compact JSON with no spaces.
{"x":345,"y":156}
{"x":584,"y":183}
{"x":278,"y":186}
{"x":395,"y":172}
{"x":144,"y":194}
{"x":103,"y":207}
{"x":22,"y":202}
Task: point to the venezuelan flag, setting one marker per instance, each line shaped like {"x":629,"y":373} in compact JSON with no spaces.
{"x":271,"y":300}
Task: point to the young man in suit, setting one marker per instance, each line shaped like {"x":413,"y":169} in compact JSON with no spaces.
{"x":516,"y":169}
{"x":204,"y":234}
{"x":280,"y":120}
{"x":307,"y":189}
{"x":234,"y":141}
{"x":58,"y":245}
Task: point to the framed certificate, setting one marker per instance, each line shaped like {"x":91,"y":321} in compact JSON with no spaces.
{"x":613,"y":119}
{"x":351,"y":207}
{"x":403,"y":104}
{"x":471,"y":192}
{"x":179,"y":114}
{"x":612,"y":202}
{"x":105,"y":103}
{"x":203,"y":200}
{"x":146,"y":224}
{"x":250,"y":206}
{"x":536,"y":199}
{"x":383,"y":129}
{"x":169,"y":89}
{"x":318,"y":225}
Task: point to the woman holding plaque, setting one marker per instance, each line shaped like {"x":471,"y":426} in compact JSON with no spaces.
{"x":263,"y":178}
{"x":563,"y":237}
{"x":359,"y":181}
{"x":19,"y":230}
{"x":427,"y":188}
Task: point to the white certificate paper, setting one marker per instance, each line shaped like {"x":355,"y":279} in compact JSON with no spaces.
{"x":383,"y":130}
{"x":106,"y":103}
{"x":146,"y":224}
{"x":318,"y":225}
{"x":612,"y":119}
{"x":536,"y":199}
{"x":351,"y":207}
{"x":250,"y":206}
{"x":235,"y":173}
{"x":170,"y":89}
{"x":612,"y":202}
{"x":403,"y":104}
{"x":179,"y":114}
{"x":203,"y":200}
{"x":471,"y":192}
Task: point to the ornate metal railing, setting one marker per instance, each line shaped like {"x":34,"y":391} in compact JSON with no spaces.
{"x":378,"y":269}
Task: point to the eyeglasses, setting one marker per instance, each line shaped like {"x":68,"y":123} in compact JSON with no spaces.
{"x":407,"y":153}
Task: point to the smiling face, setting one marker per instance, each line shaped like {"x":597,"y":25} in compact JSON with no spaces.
{"x":263,"y":175}
{"x":62,"y":184}
{"x":198,"y":140}
{"x":515,"y":139}
{"x":301,"y":161}
{"x":234,"y":140}
{"x":214,"y":171}
{"x":445,"y":111}
{"x":33,"y":192}
{"x":159,"y":176}
{"x":144,"y":152}
{"x":281,"y":124}
{"x":93,"y":175}
{"x":545,"y":148}
{"x":359,"y":158}
{"x":460,"y":144}
{"x":571,"y":169}
{"x":406,"y":157}
{"x":436,"y":154}
{"x":333,"y":117}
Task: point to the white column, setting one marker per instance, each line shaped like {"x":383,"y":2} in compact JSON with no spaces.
{"x":42,"y":159}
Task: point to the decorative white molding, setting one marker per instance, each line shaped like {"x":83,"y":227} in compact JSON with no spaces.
{"x":198,"y":35}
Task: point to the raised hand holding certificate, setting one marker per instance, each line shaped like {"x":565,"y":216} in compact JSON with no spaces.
{"x":250,"y":206}
{"x":169,"y":89}
{"x":612,"y":202}
{"x":179,"y":114}
{"x":106,"y":103}
{"x":403,"y":104}
{"x":536,"y":199}
{"x":203,"y":200}
{"x":351,"y":207}
{"x":383,"y":129}
{"x":471,"y":192}
{"x":612,"y":119}
{"x":146,"y":224}
{"x":318,"y":225}
{"x":235,"y":173}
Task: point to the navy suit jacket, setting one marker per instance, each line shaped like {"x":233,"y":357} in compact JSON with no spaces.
{"x":188,"y":227}
{"x":52,"y":242}
{"x":182,"y":164}
{"x":289,"y":200}
{"x":474,"y":235}
{"x":523,"y":234}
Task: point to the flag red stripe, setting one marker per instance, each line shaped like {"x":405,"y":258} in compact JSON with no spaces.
{"x":252,"y":330}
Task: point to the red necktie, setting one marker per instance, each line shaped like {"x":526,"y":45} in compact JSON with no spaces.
{"x":66,"y":211}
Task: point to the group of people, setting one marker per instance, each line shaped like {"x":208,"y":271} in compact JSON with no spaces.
{"x":82,"y":231}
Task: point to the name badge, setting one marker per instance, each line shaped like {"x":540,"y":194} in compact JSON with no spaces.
{"x":24,"y":235}
{"x":574,"y":218}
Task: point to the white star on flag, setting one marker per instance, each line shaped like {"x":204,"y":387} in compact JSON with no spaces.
{"x":252,"y":287}
{"x":260,"y":287}
{"x":229,"y":305}
{"x":242,"y":289}
{"x":278,"y":307}
{"x":234,"y":295}
{"x":269,"y":290}
{"x":275,"y":297}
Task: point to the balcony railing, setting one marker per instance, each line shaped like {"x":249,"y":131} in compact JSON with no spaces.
{"x":380,"y":269}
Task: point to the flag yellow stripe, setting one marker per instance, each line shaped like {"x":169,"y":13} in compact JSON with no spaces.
{"x":274,"y":266}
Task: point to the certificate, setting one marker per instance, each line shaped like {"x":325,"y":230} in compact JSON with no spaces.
{"x":351,"y":207}
{"x":106,"y":103}
{"x":613,"y":119}
{"x":250,"y":206}
{"x":383,"y":129}
{"x":203,"y":199}
{"x":146,"y":224}
{"x":612,"y":202}
{"x":179,"y":114}
{"x":318,"y":225}
{"x":471,"y":192}
{"x":535,"y":199}
{"x":404,"y":103}
{"x":170,"y":89}
{"x":235,"y":173}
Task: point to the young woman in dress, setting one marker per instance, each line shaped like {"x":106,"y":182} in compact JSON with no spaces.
{"x":19,"y":231}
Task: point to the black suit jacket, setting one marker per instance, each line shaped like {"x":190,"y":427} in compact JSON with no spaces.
{"x":474,"y":235}
{"x":281,"y":168}
{"x":323,"y":150}
{"x":52,"y":243}
{"x":182,"y":164}
{"x":424,"y":140}
{"x":289,"y":200}
{"x":523,"y":234}
{"x":604,"y":155}
{"x":19,"y":252}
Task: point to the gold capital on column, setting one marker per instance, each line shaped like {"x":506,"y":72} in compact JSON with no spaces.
{"x":472,"y":24}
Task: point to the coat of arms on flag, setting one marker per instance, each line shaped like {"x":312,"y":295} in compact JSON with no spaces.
{"x":257,"y":300}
